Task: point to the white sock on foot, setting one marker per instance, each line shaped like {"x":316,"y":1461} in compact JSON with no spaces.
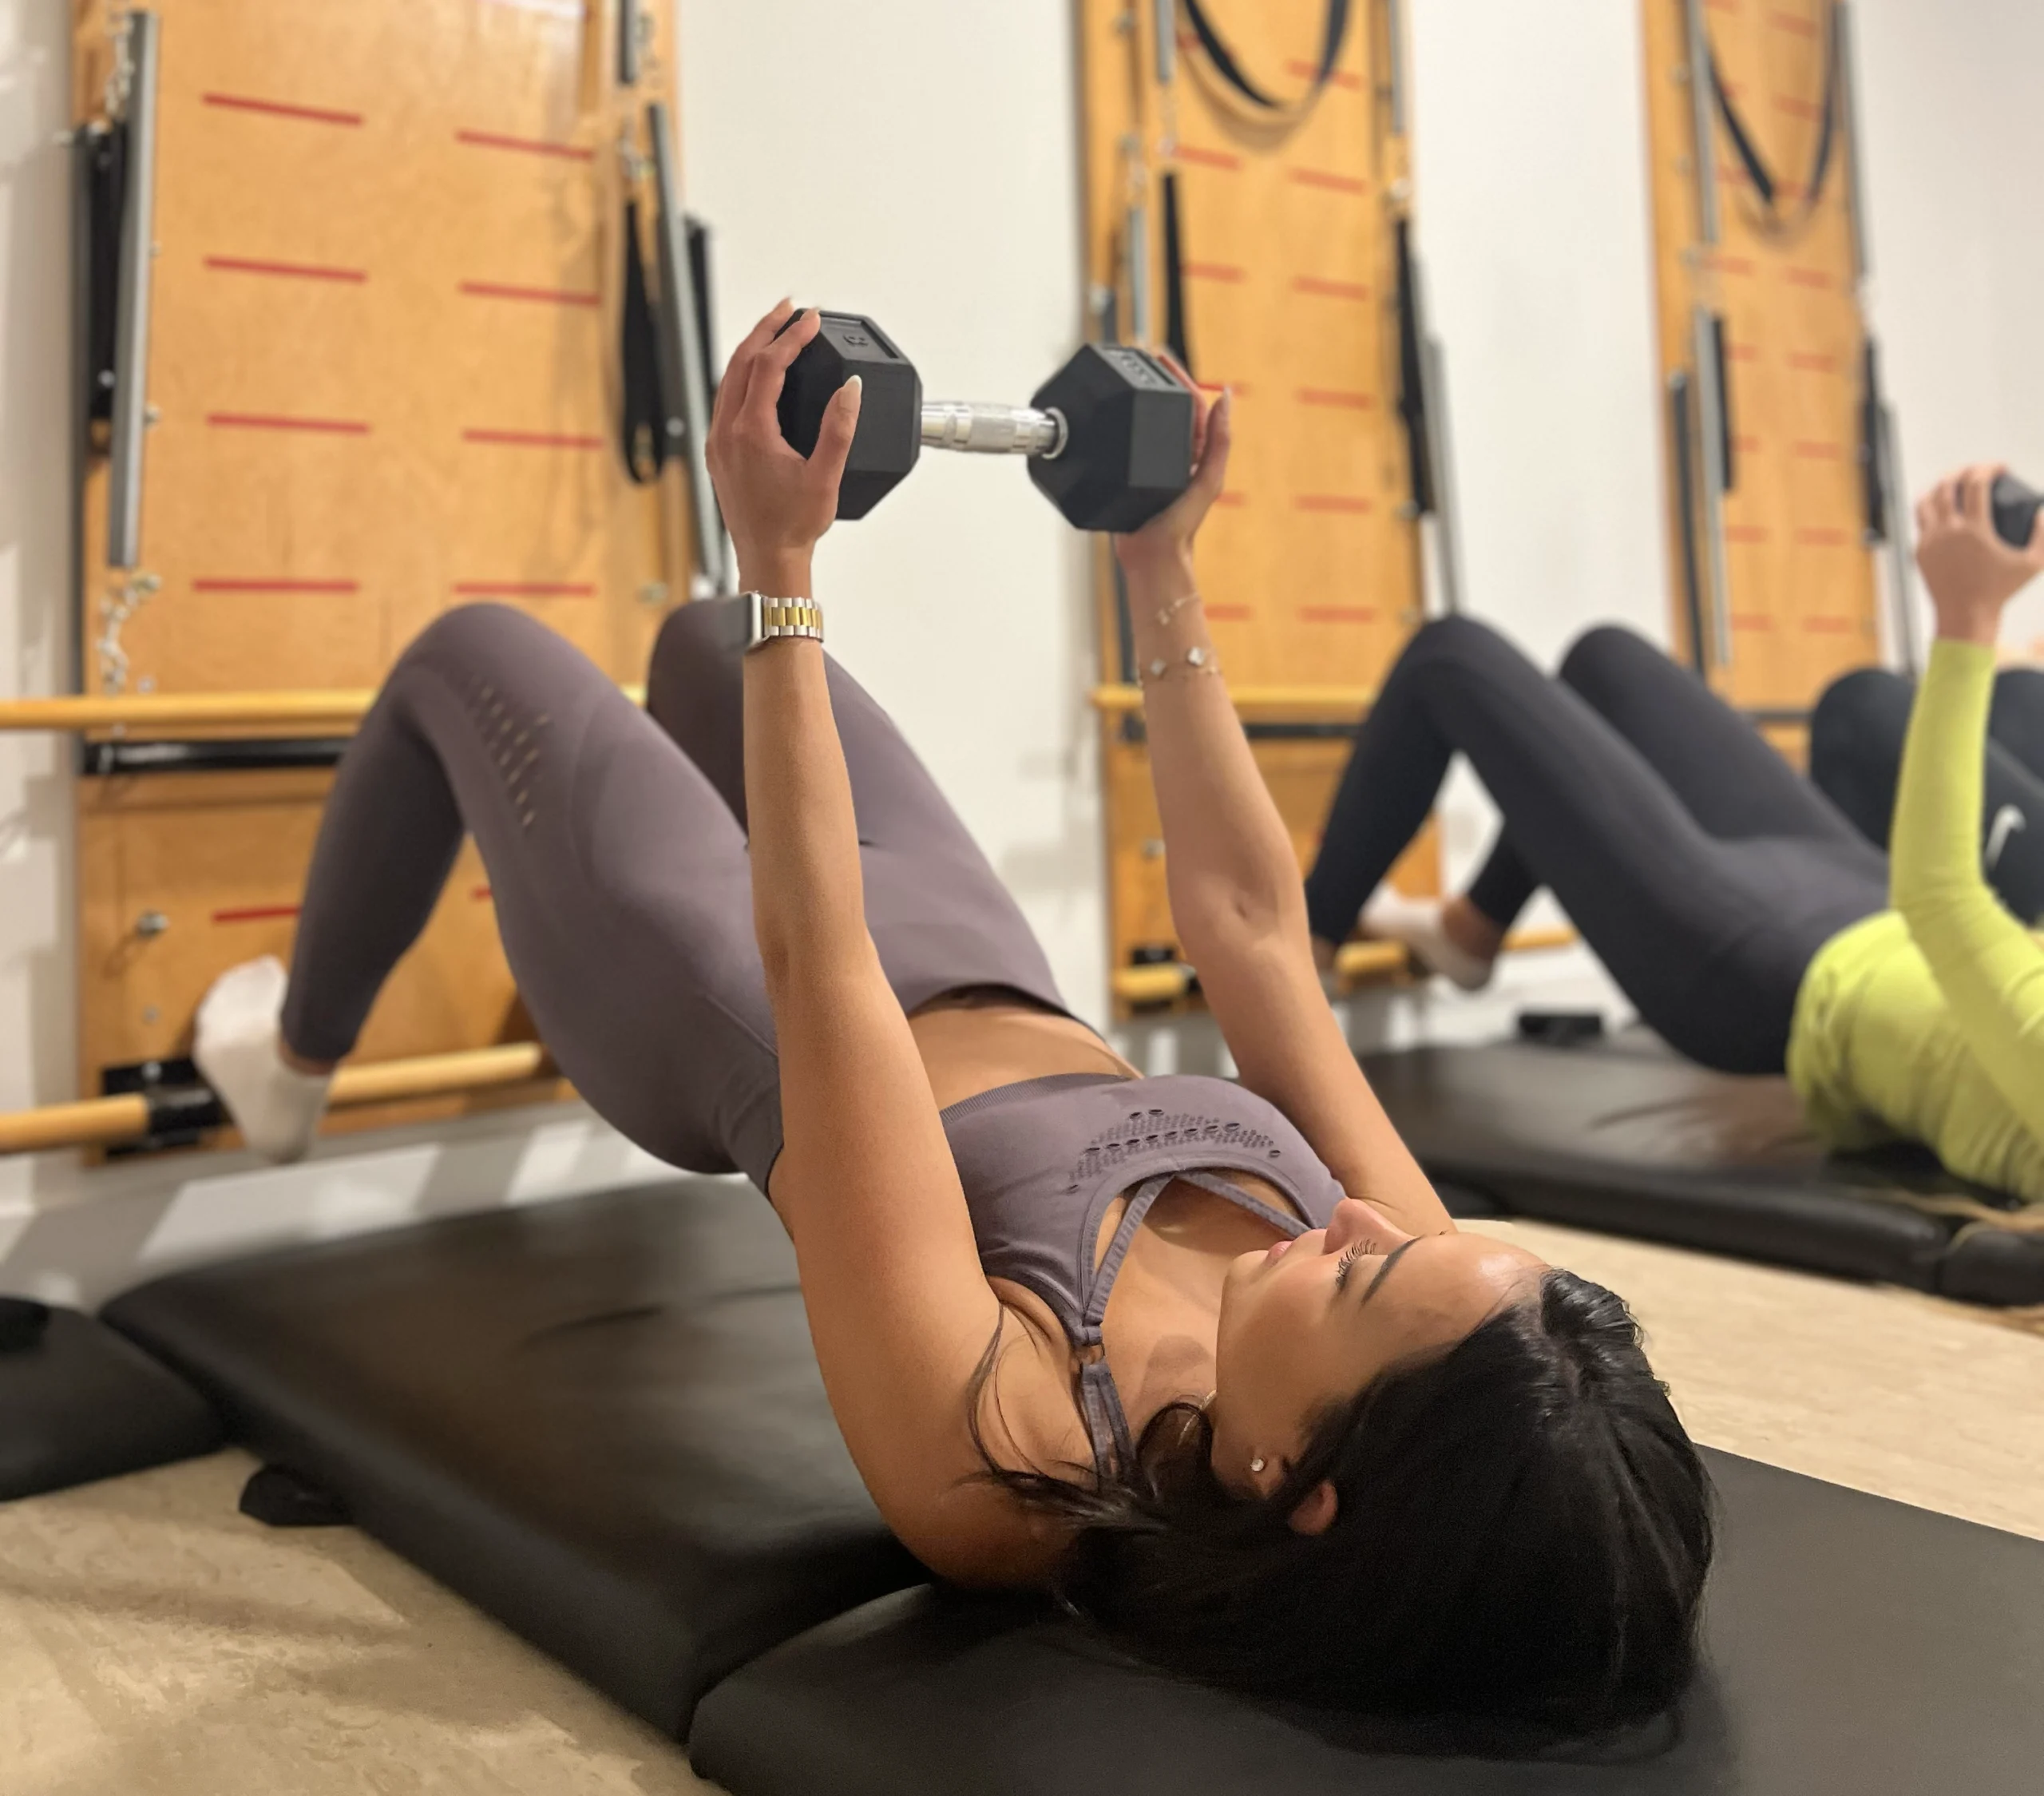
{"x":237,"y":1046}
{"x":1417,"y":925}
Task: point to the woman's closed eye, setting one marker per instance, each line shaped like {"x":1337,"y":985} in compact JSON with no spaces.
{"x":1347,"y":1263}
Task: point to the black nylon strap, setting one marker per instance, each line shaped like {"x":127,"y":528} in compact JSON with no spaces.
{"x":642,"y":417}
{"x":1873,"y":473}
{"x":1411,"y":382}
{"x":1229,"y":67}
{"x":1177,"y":332}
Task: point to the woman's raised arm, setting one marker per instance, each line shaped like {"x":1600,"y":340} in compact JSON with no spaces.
{"x":898,"y":1306}
{"x":1238,"y":898}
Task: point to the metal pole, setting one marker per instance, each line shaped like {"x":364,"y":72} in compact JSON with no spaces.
{"x":1447,"y":527}
{"x":131,"y":355}
{"x":1710,"y":428}
{"x":681,"y":340}
{"x":1164,"y":15}
{"x":1901,"y":560}
{"x":1137,"y":232}
{"x":1704,"y":149}
{"x":1855,"y":193}
{"x":1394,"y":13}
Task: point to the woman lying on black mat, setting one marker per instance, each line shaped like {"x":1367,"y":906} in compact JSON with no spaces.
{"x":1856,"y":736}
{"x":1738,"y":910}
{"x":1208,"y":1360}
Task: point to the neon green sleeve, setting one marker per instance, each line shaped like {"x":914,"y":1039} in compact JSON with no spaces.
{"x":1989,"y":967}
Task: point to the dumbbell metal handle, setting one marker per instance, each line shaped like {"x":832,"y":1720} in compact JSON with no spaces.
{"x":988,"y":430}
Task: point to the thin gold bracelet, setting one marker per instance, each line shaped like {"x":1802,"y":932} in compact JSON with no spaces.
{"x":1195,"y":660}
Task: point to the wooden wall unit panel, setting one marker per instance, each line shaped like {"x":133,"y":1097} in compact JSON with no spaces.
{"x":383,"y":365}
{"x":1799,"y":572}
{"x":383,"y":355}
{"x":1311,"y":564}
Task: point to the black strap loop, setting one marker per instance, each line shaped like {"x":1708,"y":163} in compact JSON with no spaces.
{"x":1229,"y":67}
{"x":642,"y":415}
{"x":1766,"y":184}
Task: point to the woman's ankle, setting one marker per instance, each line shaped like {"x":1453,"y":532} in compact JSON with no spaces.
{"x":298,"y":1063}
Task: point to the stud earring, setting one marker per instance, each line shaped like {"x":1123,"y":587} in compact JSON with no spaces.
{"x":1257,"y":1464}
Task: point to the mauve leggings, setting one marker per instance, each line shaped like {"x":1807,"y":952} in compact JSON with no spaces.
{"x":1705,"y":872}
{"x":1857,"y":735}
{"x":614,"y":839}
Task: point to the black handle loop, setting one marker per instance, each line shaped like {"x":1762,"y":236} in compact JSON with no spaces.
{"x":1228,"y":65}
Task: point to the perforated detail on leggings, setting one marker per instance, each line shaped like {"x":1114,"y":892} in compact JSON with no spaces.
{"x":513,"y":741}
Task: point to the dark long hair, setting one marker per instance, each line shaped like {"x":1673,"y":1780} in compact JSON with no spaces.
{"x":1519,"y":1544}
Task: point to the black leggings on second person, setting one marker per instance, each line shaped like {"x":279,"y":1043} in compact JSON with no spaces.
{"x":1856,"y":736}
{"x":1702,"y":869}
{"x":615,"y":841}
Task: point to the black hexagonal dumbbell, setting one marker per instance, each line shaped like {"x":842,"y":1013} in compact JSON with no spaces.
{"x":1109,"y":438}
{"x":2015,"y":508}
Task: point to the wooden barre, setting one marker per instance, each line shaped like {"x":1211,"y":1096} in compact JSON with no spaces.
{"x":1354,"y":963}
{"x":1337,"y":704}
{"x":106,"y":1122}
{"x":198,"y":710}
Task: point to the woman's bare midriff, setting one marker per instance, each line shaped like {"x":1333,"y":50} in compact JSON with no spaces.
{"x":975,"y":1041}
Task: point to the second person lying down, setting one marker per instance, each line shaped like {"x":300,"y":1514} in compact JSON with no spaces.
{"x":1744,"y":917}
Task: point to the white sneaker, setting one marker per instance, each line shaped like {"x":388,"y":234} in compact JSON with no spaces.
{"x":1415,"y":925}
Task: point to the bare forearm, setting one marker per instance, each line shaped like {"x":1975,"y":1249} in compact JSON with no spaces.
{"x":807,"y":898}
{"x":1228,"y":861}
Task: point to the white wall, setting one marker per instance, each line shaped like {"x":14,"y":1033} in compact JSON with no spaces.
{"x":916,"y":159}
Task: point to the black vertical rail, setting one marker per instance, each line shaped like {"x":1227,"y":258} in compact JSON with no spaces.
{"x":1681,"y":412}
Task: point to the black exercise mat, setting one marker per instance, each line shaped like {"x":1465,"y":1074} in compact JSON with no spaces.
{"x":78,"y":1402}
{"x":600,"y":1419}
{"x":1626,"y":1137}
{"x":1854,"y":1646}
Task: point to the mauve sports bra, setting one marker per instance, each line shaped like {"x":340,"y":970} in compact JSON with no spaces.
{"x":1041,"y":1161}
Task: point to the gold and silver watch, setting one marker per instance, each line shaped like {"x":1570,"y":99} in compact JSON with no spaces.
{"x":769,"y":620}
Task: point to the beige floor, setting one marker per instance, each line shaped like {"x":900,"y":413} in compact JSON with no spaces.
{"x":152,"y":1641}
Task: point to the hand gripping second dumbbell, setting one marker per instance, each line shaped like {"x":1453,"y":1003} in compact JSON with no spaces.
{"x":1109,"y":438}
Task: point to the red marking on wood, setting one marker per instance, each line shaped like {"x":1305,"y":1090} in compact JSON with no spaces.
{"x":1830,"y":626}
{"x":224,"y":583}
{"x":1818,"y":451}
{"x":1321,"y":289}
{"x":531,"y":439}
{"x":1748,"y":446}
{"x":1214,"y":271}
{"x":1339,"y":77}
{"x":1208,"y":158}
{"x":279,"y":108}
{"x":1746,"y":532}
{"x":1732,"y":264}
{"x":1346,"y":503}
{"x":1812,"y":364}
{"x":1332,"y":183}
{"x":525,"y":589}
{"x":1814,"y":278}
{"x":531,"y":146}
{"x":256,"y":914}
{"x":1807,"y":110}
{"x":491,"y":289}
{"x":1815,"y":538}
{"x":301,"y":270}
{"x":479,"y":894}
{"x":1325,"y":396}
{"x":1794,"y":23}
{"x":1232,"y":501}
{"x":1240,"y":388}
{"x":1746,"y":352}
{"x":1752,"y":620}
{"x":1337,"y":613}
{"x":1229,"y":614}
{"x":258,"y":421}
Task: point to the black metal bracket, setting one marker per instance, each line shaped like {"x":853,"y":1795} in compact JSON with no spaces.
{"x":183,"y":1109}
{"x":102,"y":760}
